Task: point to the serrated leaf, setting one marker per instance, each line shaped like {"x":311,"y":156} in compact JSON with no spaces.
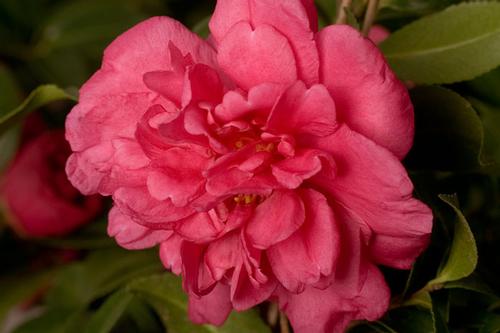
{"x":486,"y":87}
{"x":39,"y":97}
{"x":164,"y":292}
{"x":109,"y":313}
{"x":449,"y":134}
{"x":462,"y":259}
{"x":457,"y":44}
{"x":422,"y":299}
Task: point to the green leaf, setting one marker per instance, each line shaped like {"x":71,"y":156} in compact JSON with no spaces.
{"x":448,"y":132}
{"x":491,"y":324}
{"x":457,"y":44}
{"x":411,"y":319}
{"x":53,"y":321}
{"x":165,"y":294}
{"x":101,"y":273}
{"x":109,"y":313}
{"x":472,"y":283}
{"x":462,"y":259}
{"x":420,"y":298}
{"x":490,"y":117}
{"x":486,"y":87}
{"x":38,"y":98}
{"x":18,"y":287}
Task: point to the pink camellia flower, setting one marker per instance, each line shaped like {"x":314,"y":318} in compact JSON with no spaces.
{"x":266,"y":162}
{"x":38,"y":199}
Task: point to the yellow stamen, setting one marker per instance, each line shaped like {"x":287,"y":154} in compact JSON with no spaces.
{"x":245,"y":198}
{"x":269,"y":147}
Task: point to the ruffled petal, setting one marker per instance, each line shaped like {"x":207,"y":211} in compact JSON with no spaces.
{"x":213,"y":308}
{"x":275,"y":219}
{"x":374,"y":187}
{"x":170,"y":253}
{"x":132,"y":235}
{"x":152,"y":213}
{"x":254,"y":56}
{"x":303,"y":111}
{"x":368,"y":96}
{"x":325,"y":311}
{"x":311,"y":251}
{"x":295,"y":19}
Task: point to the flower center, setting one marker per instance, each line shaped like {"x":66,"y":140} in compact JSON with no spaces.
{"x":245,"y":199}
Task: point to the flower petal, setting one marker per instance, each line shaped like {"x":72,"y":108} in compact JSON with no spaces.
{"x":325,"y":311}
{"x":170,"y":253}
{"x":374,"y":187}
{"x":295,"y":19}
{"x":275,"y":219}
{"x":213,"y":308}
{"x":303,"y":111}
{"x":254,"y":56}
{"x":311,"y":251}
{"x":132,"y":235}
{"x":368,"y":96}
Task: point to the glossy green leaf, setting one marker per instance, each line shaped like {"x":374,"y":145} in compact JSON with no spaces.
{"x":486,"y":87}
{"x":457,"y":44}
{"x":165,"y":293}
{"x":53,"y":321}
{"x":462,"y":259}
{"x":448,"y":132}
{"x":39,"y":97}
{"x":201,"y":28}
{"x":109,"y":313}
{"x":422,"y":299}
{"x":490,"y":117}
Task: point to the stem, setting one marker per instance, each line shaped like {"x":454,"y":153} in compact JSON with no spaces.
{"x":342,"y":16}
{"x":371,"y":13}
{"x":284,"y":328}
{"x":272,"y":314}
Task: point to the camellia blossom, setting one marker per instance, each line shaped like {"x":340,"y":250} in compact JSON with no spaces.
{"x":36,"y":196}
{"x":265,"y":161}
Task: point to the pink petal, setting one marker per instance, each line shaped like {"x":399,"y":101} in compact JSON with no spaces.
{"x":303,"y":111}
{"x":254,"y":56}
{"x":132,"y":235}
{"x":245,"y":294}
{"x":199,"y":228}
{"x":374,"y":187}
{"x":169,"y":84}
{"x":311,"y":251}
{"x":213,"y":308}
{"x":223,"y":255}
{"x":325,"y":311}
{"x":294,"y":19}
{"x":170,"y":253}
{"x":203,"y":85}
{"x":178,"y":176}
{"x":256,"y":104}
{"x":368,"y":96}
{"x":293,"y":171}
{"x":152,"y":213}
{"x":275,"y":219}
{"x":147,"y":47}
